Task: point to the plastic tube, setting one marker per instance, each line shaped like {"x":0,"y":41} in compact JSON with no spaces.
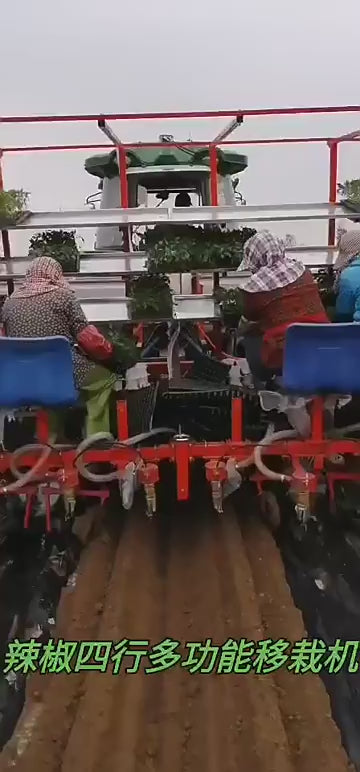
{"x":169,"y":362}
{"x":144,"y":435}
{"x":128,"y":485}
{"x":246,"y":461}
{"x":23,"y":478}
{"x":104,"y":436}
{"x":269,"y":438}
{"x":83,"y":447}
{"x":272,"y":436}
{"x":344,"y":430}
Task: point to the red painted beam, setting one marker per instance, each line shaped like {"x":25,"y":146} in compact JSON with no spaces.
{"x":269,"y":111}
{"x":148,"y":145}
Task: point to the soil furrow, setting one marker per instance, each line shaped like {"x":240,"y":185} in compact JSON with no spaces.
{"x":192,"y":577}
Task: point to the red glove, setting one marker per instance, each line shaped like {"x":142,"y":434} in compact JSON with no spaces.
{"x":94,"y":343}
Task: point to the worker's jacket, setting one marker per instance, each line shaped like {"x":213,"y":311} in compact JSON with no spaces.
{"x":348,"y":298}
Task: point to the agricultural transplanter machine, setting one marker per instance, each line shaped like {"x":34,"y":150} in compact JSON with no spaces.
{"x":224,"y":421}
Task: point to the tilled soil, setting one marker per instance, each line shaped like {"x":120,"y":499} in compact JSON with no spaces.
{"x":189,"y":576}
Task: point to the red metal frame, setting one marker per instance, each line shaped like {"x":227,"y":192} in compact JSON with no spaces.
{"x":200,"y":143}
{"x":124,"y":193}
{"x":122,"y":419}
{"x":333,"y":178}
{"x":60,"y":466}
{"x":5,"y":234}
{"x":42,"y":426}
{"x":182,"y":453}
{"x":217,"y":450}
{"x":237,"y":419}
{"x":238,"y":117}
{"x":91,"y":117}
{"x":214,"y":197}
{"x":49,"y":490}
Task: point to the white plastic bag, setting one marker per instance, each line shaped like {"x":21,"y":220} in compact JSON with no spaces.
{"x":137,"y":377}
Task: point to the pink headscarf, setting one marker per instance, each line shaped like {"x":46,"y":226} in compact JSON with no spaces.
{"x":43,"y":275}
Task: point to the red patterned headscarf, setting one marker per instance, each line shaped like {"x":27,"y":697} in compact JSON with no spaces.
{"x":43,"y":275}
{"x":269,"y":265}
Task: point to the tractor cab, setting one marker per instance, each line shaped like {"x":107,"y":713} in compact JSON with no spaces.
{"x":153,"y":186}
{"x":156,"y":177}
{"x":164,"y":183}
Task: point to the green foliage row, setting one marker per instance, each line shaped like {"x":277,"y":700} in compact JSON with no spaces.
{"x":151,"y":296}
{"x":231,"y":301}
{"x":182,"y":249}
{"x":12,"y":206}
{"x":61,"y":245}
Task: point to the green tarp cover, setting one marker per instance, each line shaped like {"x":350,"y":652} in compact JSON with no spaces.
{"x":106,"y":165}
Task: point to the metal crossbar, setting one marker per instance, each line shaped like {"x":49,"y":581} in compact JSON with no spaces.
{"x":242,"y":215}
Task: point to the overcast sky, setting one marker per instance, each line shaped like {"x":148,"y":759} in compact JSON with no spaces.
{"x":85,"y":56}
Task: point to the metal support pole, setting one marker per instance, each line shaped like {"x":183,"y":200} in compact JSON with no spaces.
{"x":109,"y":133}
{"x":236,"y":419}
{"x":333,"y":177}
{"x":194,"y":284}
{"x":317,"y":419}
{"x":229,"y":128}
{"x":122,"y":163}
{"x":216,"y":281}
{"x":122,"y":419}
{"x":182,"y":457}
{"x":348,"y":137}
{"x":214,"y":197}
{"x":124,"y":194}
{"x":5,"y":234}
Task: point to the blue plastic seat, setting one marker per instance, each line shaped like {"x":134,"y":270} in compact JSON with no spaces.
{"x":322,"y":359}
{"x":36,"y":372}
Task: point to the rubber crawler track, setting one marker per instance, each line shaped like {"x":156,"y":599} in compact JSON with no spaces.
{"x":192,"y":577}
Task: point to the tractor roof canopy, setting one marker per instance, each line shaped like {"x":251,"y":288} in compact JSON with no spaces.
{"x":106,"y":165}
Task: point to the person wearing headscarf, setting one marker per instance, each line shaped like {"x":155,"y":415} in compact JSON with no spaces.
{"x":44,"y":305}
{"x":347,"y":282}
{"x":279,"y":291}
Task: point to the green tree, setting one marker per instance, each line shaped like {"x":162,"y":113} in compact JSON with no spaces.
{"x":350,"y":190}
